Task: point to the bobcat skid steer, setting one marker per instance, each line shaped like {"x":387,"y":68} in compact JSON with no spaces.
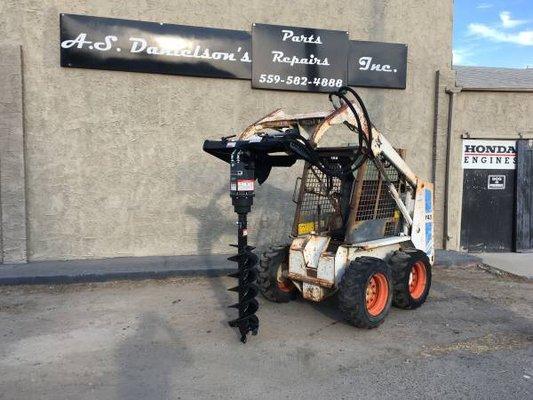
{"x":363,"y":227}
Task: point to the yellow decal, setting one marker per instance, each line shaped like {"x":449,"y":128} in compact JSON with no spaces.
{"x":396,"y":215}
{"x":306,"y":227}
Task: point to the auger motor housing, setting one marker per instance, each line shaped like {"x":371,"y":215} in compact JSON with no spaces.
{"x":242,"y":181}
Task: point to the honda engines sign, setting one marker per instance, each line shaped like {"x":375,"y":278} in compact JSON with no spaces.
{"x":489,"y":154}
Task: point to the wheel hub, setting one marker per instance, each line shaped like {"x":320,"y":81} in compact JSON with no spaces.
{"x":377,"y":292}
{"x":284,"y":284}
{"x":417,"y":280}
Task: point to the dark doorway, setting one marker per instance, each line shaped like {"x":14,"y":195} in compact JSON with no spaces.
{"x":524,"y":196}
{"x":487,"y":222}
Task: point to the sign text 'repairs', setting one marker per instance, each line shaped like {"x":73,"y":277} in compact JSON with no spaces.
{"x":303,"y":59}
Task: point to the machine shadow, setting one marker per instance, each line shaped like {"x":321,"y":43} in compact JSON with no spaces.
{"x":147,"y":361}
{"x":329,"y":308}
{"x":212,"y":226}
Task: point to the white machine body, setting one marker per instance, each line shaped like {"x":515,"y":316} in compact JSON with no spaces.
{"x":316,"y":272}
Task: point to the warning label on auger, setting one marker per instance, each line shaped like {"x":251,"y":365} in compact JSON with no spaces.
{"x":245,"y":185}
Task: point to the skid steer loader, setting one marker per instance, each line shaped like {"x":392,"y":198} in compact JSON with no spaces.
{"x":363,"y":227}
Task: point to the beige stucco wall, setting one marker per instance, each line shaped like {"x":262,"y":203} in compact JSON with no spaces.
{"x":12,"y":172}
{"x":483,"y":115}
{"x":114,"y":160}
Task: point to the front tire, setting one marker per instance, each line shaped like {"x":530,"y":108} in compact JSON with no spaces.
{"x":365,"y":292}
{"x":411,"y":276}
{"x":272,"y":284}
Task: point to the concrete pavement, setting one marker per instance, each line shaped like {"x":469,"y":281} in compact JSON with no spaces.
{"x":169,"y":339}
{"x":520,"y":264}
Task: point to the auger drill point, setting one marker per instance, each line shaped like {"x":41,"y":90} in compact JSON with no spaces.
{"x":363,"y":228}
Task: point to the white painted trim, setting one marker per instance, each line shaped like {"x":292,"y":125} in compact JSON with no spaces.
{"x":382,"y":242}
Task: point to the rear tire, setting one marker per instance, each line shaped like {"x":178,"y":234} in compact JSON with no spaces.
{"x":365,"y":292}
{"x":271,"y":284}
{"x":411,"y":276}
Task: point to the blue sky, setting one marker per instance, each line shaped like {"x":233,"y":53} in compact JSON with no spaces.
{"x":493,"y":33}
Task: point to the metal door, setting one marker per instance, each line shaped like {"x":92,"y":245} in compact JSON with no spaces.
{"x":487,"y":222}
{"x":524,"y":196}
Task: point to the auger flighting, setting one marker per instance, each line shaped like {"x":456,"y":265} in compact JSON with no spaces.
{"x":242,"y":180}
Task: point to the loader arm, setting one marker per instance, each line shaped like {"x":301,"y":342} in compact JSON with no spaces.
{"x":379,"y":144}
{"x":322,"y":121}
{"x":351,"y":113}
{"x":354,"y":115}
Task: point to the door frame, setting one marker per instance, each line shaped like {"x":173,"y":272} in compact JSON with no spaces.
{"x":523,"y":199}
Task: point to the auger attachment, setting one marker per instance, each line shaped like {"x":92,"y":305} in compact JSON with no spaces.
{"x":242,"y":180}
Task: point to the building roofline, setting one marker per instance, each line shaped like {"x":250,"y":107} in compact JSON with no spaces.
{"x":497,"y":89}
{"x":492,"y":79}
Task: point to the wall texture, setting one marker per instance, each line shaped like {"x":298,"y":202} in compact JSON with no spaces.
{"x":114,"y":160}
{"x":482,"y":115}
{"x":12,"y":183}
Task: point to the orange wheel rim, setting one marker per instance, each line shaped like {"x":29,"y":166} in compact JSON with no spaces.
{"x":283,"y":284}
{"x":377,"y":294}
{"x":417,"y":280}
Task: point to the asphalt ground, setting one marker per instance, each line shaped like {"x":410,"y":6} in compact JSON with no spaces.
{"x":169,"y":339}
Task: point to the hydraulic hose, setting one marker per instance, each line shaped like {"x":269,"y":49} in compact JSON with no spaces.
{"x":365,"y":142}
{"x":301,"y":146}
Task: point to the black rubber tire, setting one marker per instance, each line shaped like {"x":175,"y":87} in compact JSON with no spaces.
{"x":352,"y":291}
{"x":271,"y":261}
{"x":401,"y":263}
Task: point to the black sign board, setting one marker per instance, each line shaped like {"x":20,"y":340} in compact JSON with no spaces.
{"x":118,"y":44}
{"x":303,"y":59}
{"x":376,"y":64}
